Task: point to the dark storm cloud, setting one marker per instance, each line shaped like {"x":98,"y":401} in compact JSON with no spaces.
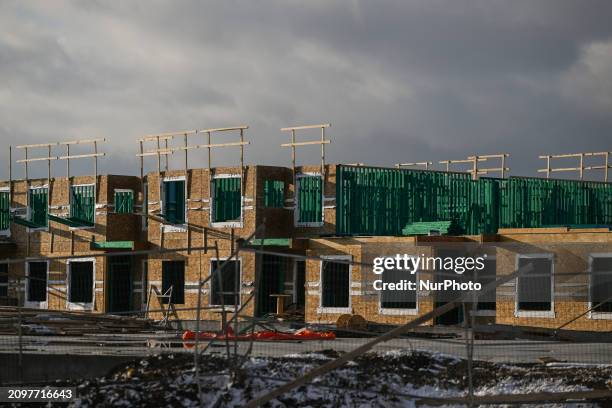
{"x":399,"y":80}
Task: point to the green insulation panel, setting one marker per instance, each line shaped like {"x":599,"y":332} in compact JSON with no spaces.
{"x":5,"y":210}
{"x":227,"y":199}
{"x":83,"y":203}
{"x":112,"y":245}
{"x":39,"y":206}
{"x":383,"y":201}
{"x":274,"y":193}
{"x":534,"y":202}
{"x":310,"y":200}
{"x":427,"y":228}
{"x":284,"y":242}
{"x":124,"y":201}
{"x":174,"y":201}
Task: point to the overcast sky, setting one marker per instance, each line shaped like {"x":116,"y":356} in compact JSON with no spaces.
{"x":398,"y":80}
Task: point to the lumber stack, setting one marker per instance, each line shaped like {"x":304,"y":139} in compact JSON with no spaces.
{"x":68,"y":323}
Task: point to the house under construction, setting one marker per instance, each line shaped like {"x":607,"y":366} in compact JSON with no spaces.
{"x":163,"y":232}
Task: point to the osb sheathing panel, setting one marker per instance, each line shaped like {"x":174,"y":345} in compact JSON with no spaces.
{"x":198,"y":267}
{"x":59,"y":240}
{"x":364,"y":301}
{"x":570,"y":291}
{"x":198,"y":204}
{"x":278,"y":221}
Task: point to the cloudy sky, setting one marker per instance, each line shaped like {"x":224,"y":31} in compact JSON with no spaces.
{"x":398,"y":80}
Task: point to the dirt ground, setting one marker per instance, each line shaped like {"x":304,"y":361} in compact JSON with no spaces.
{"x":385,"y":379}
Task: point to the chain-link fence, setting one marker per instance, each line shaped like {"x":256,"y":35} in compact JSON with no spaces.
{"x":341,"y":325}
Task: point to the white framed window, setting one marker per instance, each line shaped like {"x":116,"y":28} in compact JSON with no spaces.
{"x":38,"y":207}
{"x":226,"y":201}
{"x":173,"y":203}
{"x":535,"y":290}
{"x":335,"y":283}
{"x":309,"y":200}
{"x":600,"y":286}
{"x":36,"y":284}
{"x":81,"y":281}
{"x":83,"y":205}
{"x":231,"y":282}
{"x":5,"y":211}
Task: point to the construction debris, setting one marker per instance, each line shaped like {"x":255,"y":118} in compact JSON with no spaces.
{"x":390,"y":379}
{"x":65,"y":323}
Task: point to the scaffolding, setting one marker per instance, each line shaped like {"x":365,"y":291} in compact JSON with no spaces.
{"x":606,"y":166}
{"x":425,"y":165}
{"x":476,"y":170}
{"x":167,"y":149}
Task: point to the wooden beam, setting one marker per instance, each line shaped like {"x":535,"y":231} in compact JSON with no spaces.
{"x":37,"y":159}
{"x":82,"y":141}
{"x":313,"y":142}
{"x":36,"y":145}
{"x":167,"y":135}
{"x":81,"y":156}
{"x":290,"y":128}
{"x":225,"y":129}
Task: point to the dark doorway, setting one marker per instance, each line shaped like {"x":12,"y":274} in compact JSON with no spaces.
{"x":455,"y":315}
{"x":300,"y":283}
{"x":273,"y":269}
{"x":173,"y":276}
{"x":119,"y":284}
{"x":37,"y":282}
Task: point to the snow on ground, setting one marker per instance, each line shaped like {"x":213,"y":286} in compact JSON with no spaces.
{"x":390,"y":379}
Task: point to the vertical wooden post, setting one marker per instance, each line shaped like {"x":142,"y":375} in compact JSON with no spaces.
{"x":166,"y":155}
{"x":96,"y":161}
{"x":548,"y":166}
{"x":158,"y":157}
{"x":323,"y":152}
{"x":503,"y":165}
{"x":607,"y":166}
{"x":10,"y":176}
{"x":68,"y":161}
{"x":26,"y":163}
{"x":293,"y":167}
{"x":49,"y":164}
{"x":141,"y":161}
{"x":581,"y":166}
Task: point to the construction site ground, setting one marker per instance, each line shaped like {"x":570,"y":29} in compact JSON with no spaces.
{"x":138,"y":345}
{"x":390,"y":379}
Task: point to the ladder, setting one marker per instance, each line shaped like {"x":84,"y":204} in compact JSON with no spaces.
{"x":168,"y":308}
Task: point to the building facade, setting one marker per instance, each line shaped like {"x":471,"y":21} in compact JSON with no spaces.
{"x":164,"y":233}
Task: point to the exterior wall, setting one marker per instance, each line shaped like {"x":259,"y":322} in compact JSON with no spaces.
{"x":198,"y":205}
{"x":58,"y":240}
{"x":198,"y":266}
{"x":365,"y":301}
{"x":571,"y":251}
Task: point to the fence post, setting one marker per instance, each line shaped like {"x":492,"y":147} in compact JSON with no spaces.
{"x":19,"y":332}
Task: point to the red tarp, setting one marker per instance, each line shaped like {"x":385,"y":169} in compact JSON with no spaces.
{"x":264,"y":335}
